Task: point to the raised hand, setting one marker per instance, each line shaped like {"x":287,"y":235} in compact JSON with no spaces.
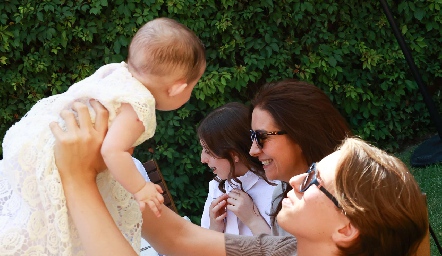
{"x":217,"y":213}
{"x":241,"y":204}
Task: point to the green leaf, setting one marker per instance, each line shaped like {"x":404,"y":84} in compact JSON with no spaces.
{"x":404,"y":29}
{"x":332,"y":61}
{"x":419,"y":14}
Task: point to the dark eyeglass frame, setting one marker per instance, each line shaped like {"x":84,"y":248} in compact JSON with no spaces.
{"x":311,"y":179}
{"x":260,"y":136}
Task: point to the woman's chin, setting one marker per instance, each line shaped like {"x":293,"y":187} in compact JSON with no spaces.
{"x":271,"y":174}
{"x":284,"y":220}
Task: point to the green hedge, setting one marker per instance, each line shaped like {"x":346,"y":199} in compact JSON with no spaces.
{"x":347,"y":48}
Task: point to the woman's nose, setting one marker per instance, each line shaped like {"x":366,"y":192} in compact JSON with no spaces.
{"x":203,"y":157}
{"x":296,"y":181}
{"x":254,"y":149}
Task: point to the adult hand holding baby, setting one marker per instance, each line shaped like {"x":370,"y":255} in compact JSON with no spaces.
{"x":83,"y":141}
{"x":67,"y":152}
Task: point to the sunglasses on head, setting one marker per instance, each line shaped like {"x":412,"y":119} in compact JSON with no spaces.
{"x":260,"y":136}
{"x":311,"y":179}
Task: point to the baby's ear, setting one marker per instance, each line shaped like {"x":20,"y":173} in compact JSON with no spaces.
{"x":176,"y":89}
{"x":346,"y":235}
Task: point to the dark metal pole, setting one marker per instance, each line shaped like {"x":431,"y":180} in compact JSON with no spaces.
{"x":430,"y":151}
{"x":431,"y":107}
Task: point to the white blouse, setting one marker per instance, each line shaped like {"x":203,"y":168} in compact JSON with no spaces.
{"x":256,"y":187}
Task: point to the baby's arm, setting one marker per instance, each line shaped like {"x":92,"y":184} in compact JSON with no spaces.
{"x":124,"y":131}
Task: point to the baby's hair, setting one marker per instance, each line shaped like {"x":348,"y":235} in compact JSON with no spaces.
{"x":168,"y":47}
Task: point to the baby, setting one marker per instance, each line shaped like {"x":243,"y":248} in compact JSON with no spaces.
{"x":165,"y":62}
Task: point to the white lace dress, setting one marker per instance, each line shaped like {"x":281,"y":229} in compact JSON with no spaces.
{"x":33,"y":216}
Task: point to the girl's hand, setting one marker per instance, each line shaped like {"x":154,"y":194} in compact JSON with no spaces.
{"x":241,"y":204}
{"x":217,"y":213}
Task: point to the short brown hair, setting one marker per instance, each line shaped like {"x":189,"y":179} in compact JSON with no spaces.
{"x":382,"y":200}
{"x":168,"y":47}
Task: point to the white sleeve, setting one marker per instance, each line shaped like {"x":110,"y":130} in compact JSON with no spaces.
{"x":140,"y":168}
{"x":205,"y":218}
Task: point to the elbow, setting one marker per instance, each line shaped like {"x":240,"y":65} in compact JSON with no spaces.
{"x":107,"y":153}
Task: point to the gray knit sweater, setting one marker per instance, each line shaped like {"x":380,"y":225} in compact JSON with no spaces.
{"x":262,"y":245}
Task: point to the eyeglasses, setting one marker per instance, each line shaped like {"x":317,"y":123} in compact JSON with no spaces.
{"x":260,"y":136}
{"x":311,"y":179}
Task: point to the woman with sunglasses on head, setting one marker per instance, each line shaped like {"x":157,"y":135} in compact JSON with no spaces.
{"x":240,"y":195}
{"x":357,"y":201}
{"x":294,"y":124}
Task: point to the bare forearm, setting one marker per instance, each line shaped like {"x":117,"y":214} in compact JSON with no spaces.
{"x":172,"y":235}
{"x":97,"y":230}
{"x":259,"y":226}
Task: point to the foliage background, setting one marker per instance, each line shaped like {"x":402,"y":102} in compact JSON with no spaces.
{"x":346,"y":47}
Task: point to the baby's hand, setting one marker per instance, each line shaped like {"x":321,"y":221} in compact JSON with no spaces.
{"x":150,"y":194}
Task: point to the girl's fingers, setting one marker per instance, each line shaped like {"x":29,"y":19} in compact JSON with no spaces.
{"x":219,"y":206}
{"x":235,"y":194}
{"x":221,"y":217}
{"x":219,"y":199}
{"x":232,"y":201}
{"x":222,"y":204}
{"x":218,"y":210}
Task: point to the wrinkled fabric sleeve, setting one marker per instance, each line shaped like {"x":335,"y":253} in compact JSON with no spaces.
{"x":263,"y":245}
{"x":276,"y":229}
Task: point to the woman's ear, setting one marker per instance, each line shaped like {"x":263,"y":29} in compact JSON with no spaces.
{"x":234,"y":156}
{"x":176,"y":89}
{"x":346,"y":235}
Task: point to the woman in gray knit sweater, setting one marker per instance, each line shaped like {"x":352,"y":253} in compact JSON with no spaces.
{"x":357,"y":201}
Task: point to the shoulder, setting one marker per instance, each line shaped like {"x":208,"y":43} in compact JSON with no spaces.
{"x":213,"y":183}
{"x":213,"y":188}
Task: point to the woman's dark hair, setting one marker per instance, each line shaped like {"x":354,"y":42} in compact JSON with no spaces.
{"x":226,"y":130}
{"x":307,"y":115}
